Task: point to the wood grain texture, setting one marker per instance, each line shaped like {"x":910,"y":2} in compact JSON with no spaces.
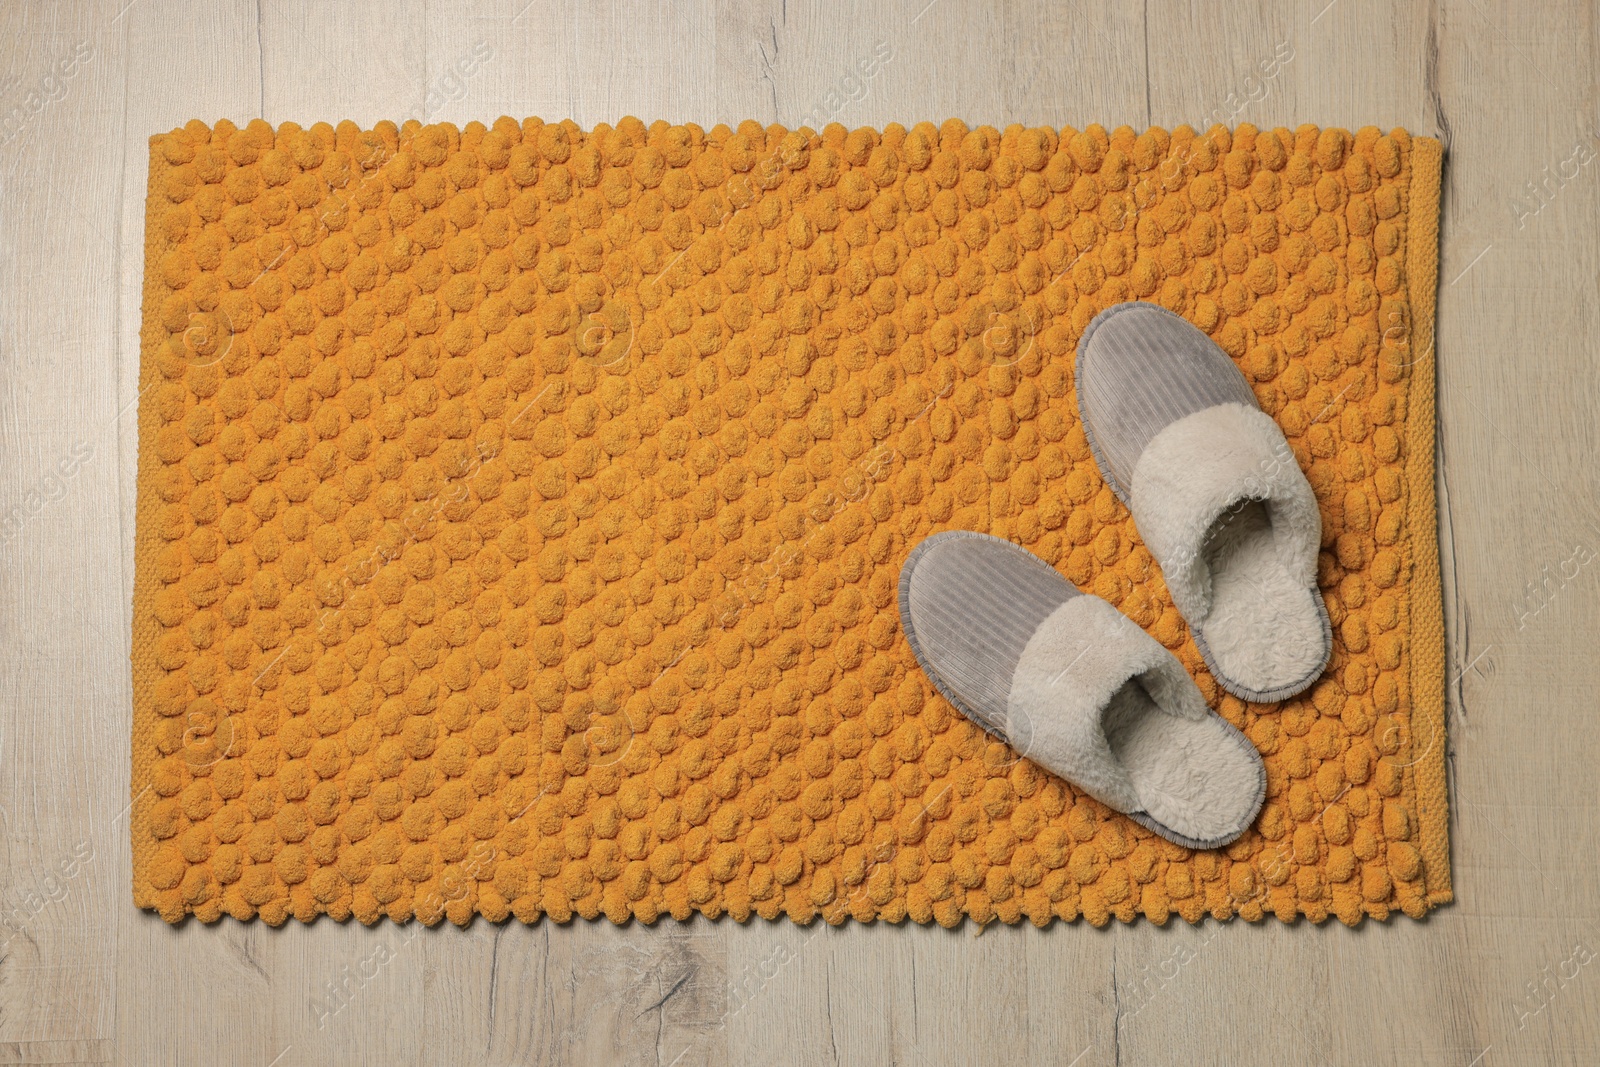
{"x":1497,"y":978}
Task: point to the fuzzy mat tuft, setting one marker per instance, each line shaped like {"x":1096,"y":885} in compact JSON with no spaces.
{"x":520,"y":511}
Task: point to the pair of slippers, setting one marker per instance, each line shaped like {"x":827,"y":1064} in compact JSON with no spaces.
{"x":1073,"y":684}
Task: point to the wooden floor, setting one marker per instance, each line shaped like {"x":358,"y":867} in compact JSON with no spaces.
{"x":1507,"y":975}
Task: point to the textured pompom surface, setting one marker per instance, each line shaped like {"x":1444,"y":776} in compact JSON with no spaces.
{"x":520,"y":511}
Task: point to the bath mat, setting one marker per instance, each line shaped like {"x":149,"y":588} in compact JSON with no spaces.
{"x":520,"y":510}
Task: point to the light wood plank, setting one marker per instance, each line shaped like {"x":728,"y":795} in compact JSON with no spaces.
{"x":63,"y":656}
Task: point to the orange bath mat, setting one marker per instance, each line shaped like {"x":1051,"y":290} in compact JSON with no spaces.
{"x":520,"y":511}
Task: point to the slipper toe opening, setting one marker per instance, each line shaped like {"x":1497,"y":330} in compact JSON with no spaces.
{"x":1200,"y":782}
{"x":1101,"y":703}
{"x":1221,"y":502}
{"x":1265,"y":631}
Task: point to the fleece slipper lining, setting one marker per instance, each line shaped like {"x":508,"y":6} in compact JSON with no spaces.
{"x":1221,"y":503}
{"x":1090,"y":696}
{"x":1101,"y":703}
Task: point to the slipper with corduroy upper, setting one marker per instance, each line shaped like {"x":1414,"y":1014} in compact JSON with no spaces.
{"x":1075,"y":686}
{"x":1216,"y":494}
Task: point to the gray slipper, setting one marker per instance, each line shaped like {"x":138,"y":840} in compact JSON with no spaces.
{"x":1073,"y":685}
{"x":1216,"y":493}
